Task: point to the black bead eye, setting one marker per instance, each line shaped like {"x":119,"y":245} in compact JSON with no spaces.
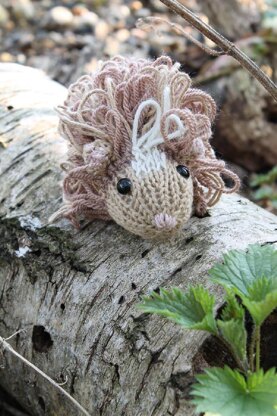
{"x":183,"y":170}
{"x":124,"y":186}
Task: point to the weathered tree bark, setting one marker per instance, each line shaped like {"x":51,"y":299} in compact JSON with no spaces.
{"x":232,"y":18}
{"x":76,"y":293}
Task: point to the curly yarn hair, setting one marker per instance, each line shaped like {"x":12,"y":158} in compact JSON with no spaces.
{"x":99,"y":117}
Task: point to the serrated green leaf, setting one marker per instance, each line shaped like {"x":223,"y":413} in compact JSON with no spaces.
{"x":232,"y":309}
{"x":234,"y":333}
{"x":192,"y":309}
{"x":227,"y":393}
{"x":261,"y":299}
{"x":232,"y":328}
{"x":241,"y":269}
{"x":261,"y":288}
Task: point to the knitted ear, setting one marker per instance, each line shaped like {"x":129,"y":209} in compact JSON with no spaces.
{"x":97,"y":156}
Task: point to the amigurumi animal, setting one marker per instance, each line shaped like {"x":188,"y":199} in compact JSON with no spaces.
{"x":139,"y":150}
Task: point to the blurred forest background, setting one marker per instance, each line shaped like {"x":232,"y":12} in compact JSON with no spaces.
{"x":66,"y":38}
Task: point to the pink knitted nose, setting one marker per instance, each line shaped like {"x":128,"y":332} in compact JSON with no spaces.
{"x":164,"y":221}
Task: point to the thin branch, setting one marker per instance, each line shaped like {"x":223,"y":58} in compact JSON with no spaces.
{"x":15,"y":333}
{"x":9,"y":348}
{"x":228,"y":47}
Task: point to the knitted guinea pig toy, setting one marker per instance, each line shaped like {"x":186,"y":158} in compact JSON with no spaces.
{"x":139,"y":150}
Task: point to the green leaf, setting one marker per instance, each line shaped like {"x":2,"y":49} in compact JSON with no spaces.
{"x":232,"y":328}
{"x":267,"y":178}
{"x":192,"y":309}
{"x":235,"y":335}
{"x":232,"y":309}
{"x":261,"y":299}
{"x":241,"y":269}
{"x":265,"y":192}
{"x":226,"y":392}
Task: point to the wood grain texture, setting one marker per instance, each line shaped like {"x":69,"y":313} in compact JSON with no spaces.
{"x":76,"y":293}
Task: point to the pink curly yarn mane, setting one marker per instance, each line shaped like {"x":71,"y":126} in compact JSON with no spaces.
{"x":103,"y":105}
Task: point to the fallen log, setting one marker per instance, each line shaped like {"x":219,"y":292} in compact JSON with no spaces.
{"x":75,"y":292}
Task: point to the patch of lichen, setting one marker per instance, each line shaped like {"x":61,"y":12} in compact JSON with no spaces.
{"x":50,"y":249}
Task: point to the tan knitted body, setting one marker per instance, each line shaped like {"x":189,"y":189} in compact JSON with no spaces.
{"x":160,"y":192}
{"x":139,"y":148}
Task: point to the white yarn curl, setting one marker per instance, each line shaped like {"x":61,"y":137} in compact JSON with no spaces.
{"x":147,"y":157}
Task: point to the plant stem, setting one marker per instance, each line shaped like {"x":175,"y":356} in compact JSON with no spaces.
{"x":7,"y":347}
{"x":228,"y":47}
{"x":252,"y":349}
{"x":255,"y":347}
{"x":258,"y":346}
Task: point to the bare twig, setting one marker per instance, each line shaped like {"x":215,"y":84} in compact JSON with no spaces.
{"x":14,"y":334}
{"x":228,"y":47}
{"x":6,"y":346}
